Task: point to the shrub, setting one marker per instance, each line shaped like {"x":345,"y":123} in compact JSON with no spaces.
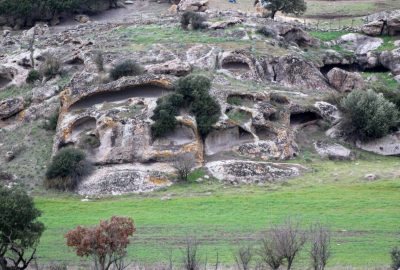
{"x":66,"y":169}
{"x":99,"y":60}
{"x":51,"y":123}
{"x":192,"y":18}
{"x":33,"y":76}
{"x":393,"y":95}
{"x":126,"y":68}
{"x":369,"y":115}
{"x":191,"y":92}
{"x":267,"y":32}
{"x":278,"y":98}
{"x":395,"y":256}
{"x":183,"y":165}
{"x":89,"y":142}
{"x":50,"y":67}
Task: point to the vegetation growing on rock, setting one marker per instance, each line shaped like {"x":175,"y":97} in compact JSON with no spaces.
{"x":190,"y":92}
{"x":126,"y":68}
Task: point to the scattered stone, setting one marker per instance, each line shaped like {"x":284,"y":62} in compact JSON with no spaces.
{"x":81,"y":18}
{"x":173,"y":67}
{"x":128,"y":2}
{"x":328,"y":111}
{"x":9,"y":156}
{"x":333,"y":151}
{"x":371,"y":177}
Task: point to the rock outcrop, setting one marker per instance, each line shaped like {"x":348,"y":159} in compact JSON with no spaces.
{"x":386,"y":146}
{"x":251,"y":172}
{"x":10,"y":107}
{"x":383,"y":23}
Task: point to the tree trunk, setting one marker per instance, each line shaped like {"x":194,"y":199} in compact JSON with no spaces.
{"x":273,"y":13}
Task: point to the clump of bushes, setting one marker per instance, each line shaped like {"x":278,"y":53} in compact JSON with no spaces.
{"x":267,"y":32}
{"x":190,"y":92}
{"x":194,"y":19}
{"x":50,"y":67}
{"x":33,"y":76}
{"x":66,"y":169}
{"x":369,"y":115}
{"x":395,"y":256}
{"x":126,"y":68}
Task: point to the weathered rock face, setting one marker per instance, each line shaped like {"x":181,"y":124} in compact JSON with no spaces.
{"x":241,"y":65}
{"x":345,"y":81}
{"x":387,"y":146}
{"x":225,"y":24}
{"x":117,"y":115}
{"x":193,"y":5}
{"x":10,"y":107}
{"x":360,"y":44}
{"x":384,"y":23}
{"x":250,"y":172}
{"x":294,"y":71}
{"x":128,"y":178}
{"x":333,"y":151}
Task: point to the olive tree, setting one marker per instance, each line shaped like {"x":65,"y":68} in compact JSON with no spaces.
{"x":20,"y":230}
{"x":295,"y":7}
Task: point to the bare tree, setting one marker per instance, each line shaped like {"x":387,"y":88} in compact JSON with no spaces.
{"x":320,"y":246}
{"x":269,"y":253}
{"x":183,"y":165}
{"x":282,"y":242}
{"x":243,"y":257}
{"x":290,"y":239}
{"x":191,"y":259}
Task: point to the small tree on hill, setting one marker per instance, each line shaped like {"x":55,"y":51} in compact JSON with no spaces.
{"x":105,"y":243}
{"x":295,"y":7}
{"x":20,"y":230}
{"x":320,"y":252}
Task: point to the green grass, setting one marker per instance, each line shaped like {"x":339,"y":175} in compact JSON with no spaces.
{"x":388,"y":43}
{"x":151,"y":34}
{"x":15,"y":91}
{"x":363,"y":215}
{"x":327,"y":36}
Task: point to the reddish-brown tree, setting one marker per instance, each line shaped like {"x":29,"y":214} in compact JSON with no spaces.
{"x":105,"y":243}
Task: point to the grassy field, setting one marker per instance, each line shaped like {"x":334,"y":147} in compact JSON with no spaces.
{"x":363,"y":215}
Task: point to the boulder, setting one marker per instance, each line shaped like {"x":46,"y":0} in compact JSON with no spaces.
{"x":81,"y":18}
{"x":10,"y":107}
{"x":371,"y":177}
{"x":374,"y":28}
{"x":360,"y":44}
{"x":345,"y":81}
{"x":328,"y":111}
{"x":173,"y":67}
{"x":393,"y":26}
{"x":193,"y":5}
{"x":391,"y":60}
{"x":333,"y":151}
{"x":386,"y":146}
{"x":252,"y":172}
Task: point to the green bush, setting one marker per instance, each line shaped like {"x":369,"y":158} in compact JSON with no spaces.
{"x":51,"y":123}
{"x":393,"y":95}
{"x":66,"y":169}
{"x":89,"y":142}
{"x":369,"y":114}
{"x":126,"y":68}
{"x":192,"y":18}
{"x":190,"y":92}
{"x":50,"y":67}
{"x":33,"y":76}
